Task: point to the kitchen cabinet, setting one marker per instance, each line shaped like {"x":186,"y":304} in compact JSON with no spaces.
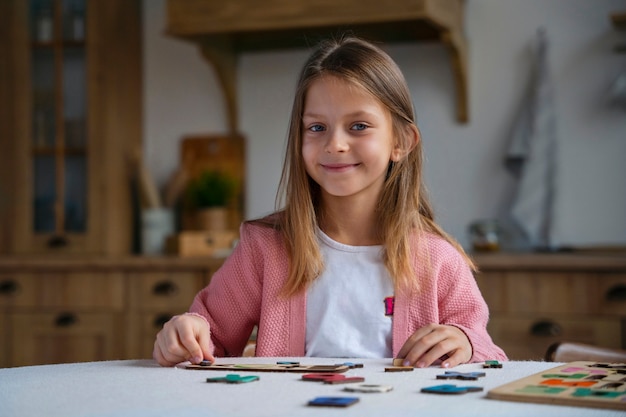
{"x":538,"y":299}
{"x":222,"y":30}
{"x":154,"y":299}
{"x":70,"y":93}
{"x":56,"y":310}
{"x":59,"y":337}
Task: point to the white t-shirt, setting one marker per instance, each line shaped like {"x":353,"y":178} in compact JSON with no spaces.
{"x":345,"y":313}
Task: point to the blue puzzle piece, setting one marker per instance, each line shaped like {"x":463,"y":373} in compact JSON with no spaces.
{"x":470,"y":376}
{"x":351,"y":365}
{"x":333,"y":401}
{"x":450,"y":389}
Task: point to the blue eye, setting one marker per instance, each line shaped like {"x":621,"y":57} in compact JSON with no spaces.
{"x":359,"y":126}
{"x":316,"y":128}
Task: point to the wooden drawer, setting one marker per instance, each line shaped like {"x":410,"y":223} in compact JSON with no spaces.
{"x":61,"y":337}
{"x":554,"y":293}
{"x":92,"y":291}
{"x":164,"y":291}
{"x":528,"y":337}
{"x":609,"y":296}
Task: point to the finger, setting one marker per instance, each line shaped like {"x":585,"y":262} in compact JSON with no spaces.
{"x":410,"y":346}
{"x":449,"y":345}
{"x":188,"y":341}
{"x":454,"y":359}
{"x":158,"y":355}
{"x":203,"y":341}
{"x":170,"y":345}
{"x":444,"y":348}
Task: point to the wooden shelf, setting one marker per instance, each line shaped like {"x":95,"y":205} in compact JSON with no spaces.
{"x":224,"y":29}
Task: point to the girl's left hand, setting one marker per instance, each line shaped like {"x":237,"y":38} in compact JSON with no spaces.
{"x":433,"y":342}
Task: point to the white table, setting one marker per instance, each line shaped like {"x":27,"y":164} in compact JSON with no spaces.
{"x":142,"y":388}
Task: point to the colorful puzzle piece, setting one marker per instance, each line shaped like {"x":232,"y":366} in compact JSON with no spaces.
{"x":564,"y":376}
{"x":399,"y":369}
{"x":492,"y":364}
{"x":562,"y":383}
{"x":333,"y":401}
{"x":537,"y":389}
{"x":450,"y":389}
{"x":332,"y":378}
{"x":469,"y":376}
{"x":586,"y":392}
{"x":368,"y":388}
{"x":234,"y":379}
{"x":351,"y":365}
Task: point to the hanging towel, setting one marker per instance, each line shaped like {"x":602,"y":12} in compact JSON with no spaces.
{"x":531,"y":156}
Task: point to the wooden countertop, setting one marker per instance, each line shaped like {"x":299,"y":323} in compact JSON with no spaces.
{"x":496,"y":261}
{"x":103,"y":264}
{"x":562,"y":261}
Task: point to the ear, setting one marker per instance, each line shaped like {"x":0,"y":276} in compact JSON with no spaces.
{"x":406,"y":144}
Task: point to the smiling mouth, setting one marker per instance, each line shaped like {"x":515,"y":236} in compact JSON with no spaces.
{"x":338,"y":167}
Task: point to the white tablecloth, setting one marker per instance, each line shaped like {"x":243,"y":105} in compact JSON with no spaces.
{"x":142,"y":388}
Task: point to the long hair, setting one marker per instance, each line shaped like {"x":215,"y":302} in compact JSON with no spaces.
{"x":403,"y":209}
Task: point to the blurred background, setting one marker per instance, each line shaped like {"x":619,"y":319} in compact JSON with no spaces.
{"x":464,"y":168}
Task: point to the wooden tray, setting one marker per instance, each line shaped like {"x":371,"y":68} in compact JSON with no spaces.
{"x":581,"y":384}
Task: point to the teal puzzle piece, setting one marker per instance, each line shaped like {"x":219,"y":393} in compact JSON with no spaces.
{"x":450,"y":389}
{"x":233,"y":379}
{"x":586,"y":392}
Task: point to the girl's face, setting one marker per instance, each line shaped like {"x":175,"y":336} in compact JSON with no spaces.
{"x":347,"y":139}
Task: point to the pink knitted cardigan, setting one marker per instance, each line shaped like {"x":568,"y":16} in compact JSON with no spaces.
{"x":244,"y":292}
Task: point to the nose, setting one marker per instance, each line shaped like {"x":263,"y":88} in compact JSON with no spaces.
{"x":336,"y":142}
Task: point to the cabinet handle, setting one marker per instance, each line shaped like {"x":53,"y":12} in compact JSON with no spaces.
{"x":545,"y":328}
{"x":65,"y":320}
{"x":616,"y":293}
{"x":58,"y":241}
{"x":161,"y":319}
{"x":165,"y":288}
{"x":9,"y":287}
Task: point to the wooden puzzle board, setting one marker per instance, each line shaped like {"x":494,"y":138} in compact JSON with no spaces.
{"x":582,"y":384}
{"x":259,"y":367}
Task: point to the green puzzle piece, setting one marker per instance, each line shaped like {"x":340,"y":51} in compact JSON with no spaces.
{"x":564,"y":376}
{"x":538,"y":389}
{"x":586,"y":392}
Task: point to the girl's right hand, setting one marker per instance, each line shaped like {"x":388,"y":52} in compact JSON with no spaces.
{"x":183,"y":338}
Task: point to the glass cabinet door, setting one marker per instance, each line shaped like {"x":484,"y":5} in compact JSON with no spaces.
{"x":59,"y":118}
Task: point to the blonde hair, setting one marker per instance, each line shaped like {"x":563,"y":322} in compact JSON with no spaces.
{"x":403,"y":208}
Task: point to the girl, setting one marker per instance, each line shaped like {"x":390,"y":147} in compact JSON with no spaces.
{"x":354,"y":264}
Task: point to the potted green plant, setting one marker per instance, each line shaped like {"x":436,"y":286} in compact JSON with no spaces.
{"x":209,"y":195}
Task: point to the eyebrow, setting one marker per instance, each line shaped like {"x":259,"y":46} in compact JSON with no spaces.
{"x":356,"y":114}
